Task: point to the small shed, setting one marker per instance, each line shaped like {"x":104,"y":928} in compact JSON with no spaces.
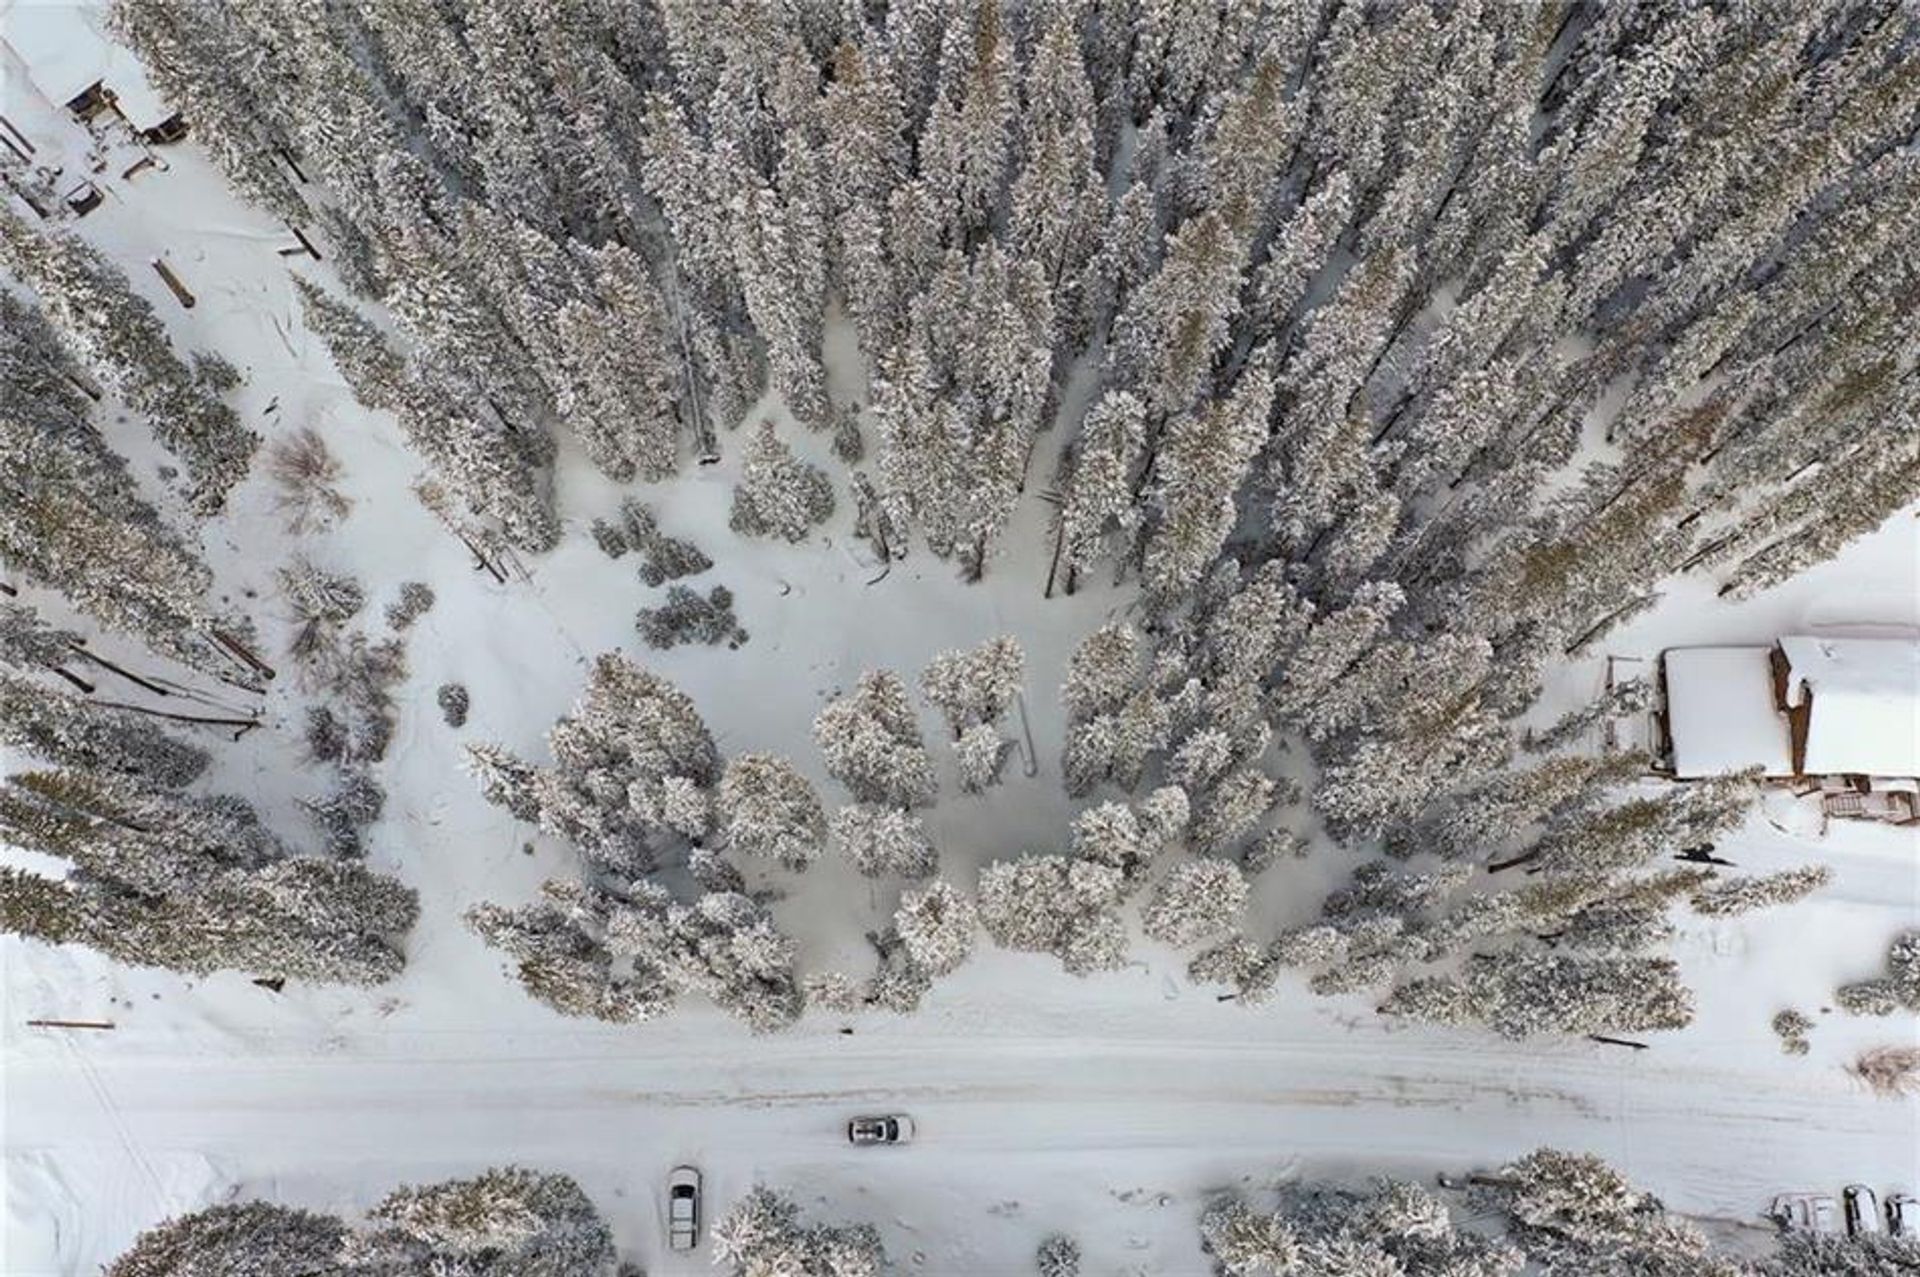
{"x":1853,"y":704}
{"x":1720,"y":713}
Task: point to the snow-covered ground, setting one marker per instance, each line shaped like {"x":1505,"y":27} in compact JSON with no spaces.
{"x":1103,"y":1107}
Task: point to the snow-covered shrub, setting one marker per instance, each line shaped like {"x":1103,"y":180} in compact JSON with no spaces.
{"x":1791,"y":1027}
{"x":355,"y":802}
{"x":415,"y":601}
{"x":1898,"y":989}
{"x":688,"y":617}
{"x":1058,"y":1256}
{"x":662,"y":558}
{"x":454,"y":702}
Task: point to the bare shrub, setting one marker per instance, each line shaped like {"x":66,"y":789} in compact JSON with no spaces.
{"x":305,"y":471}
{"x":1890,"y":1071}
{"x":415,"y":601}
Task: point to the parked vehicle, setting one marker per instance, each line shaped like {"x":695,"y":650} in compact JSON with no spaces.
{"x":896,"y":1128}
{"x":1903,"y":1215}
{"x":1863,"y":1209}
{"x":683,"y":1208}
{"x":1806,"y":1213}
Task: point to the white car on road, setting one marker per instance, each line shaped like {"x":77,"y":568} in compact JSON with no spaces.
{"x":683,"y":1208}
{"x":1863,"y":1209}
{"x":896,"y":1128}
{"x":1806,"y":1213}
{"x":1903,"y":1215}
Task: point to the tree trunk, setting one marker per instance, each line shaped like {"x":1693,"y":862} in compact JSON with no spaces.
{"x":1059,"y":541}
{"x":129,"y":675}
{"x":74,"y":679}
{"x":1598,"y":1037}
{"x":244,"y":725}
{"x":240,"y":652}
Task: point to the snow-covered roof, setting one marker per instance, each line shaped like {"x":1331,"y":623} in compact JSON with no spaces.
{"x":1720,"y":713}
{"x":66,"y":53}
{"x":1865,"y":712}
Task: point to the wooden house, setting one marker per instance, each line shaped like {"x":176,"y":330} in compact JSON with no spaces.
{"x":1841,"y":715}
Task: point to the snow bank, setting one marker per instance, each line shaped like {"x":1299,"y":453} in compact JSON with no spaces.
{"x":68,"y":1212}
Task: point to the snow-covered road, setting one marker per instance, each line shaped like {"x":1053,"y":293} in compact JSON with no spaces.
{"x":1025,"y":1128}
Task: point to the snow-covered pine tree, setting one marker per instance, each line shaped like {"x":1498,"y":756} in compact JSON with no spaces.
{"x":71,"y":518}
{"x":872,"y":745}
{"x":1101,"y":672}
{"x":71,"y":731}
{"x":1742,"y":895}
{"x":778,"y":494}
{"x":936,"y":924}
{"x":762,"y":1233}
{"x":1097,"y":484}
{"x":723,"y":945}
{"x":191,"y":884}
{"x":115,"y":333}
{"x":506,"y":1219}
{"x":882,"y":841}
{"x":981,"y":754}
{"x":767,"y":809}
{"x":1196,"y":900}
{"x":1524,"y":991}
{"x":562,"y":956}
{"x":633,"y":764}
{"x":1054,"y":904}
{"x":259,"y":1237}
{"x":28,"y":642}
{"x":1201,"y":463}
{"x":976,"y":686}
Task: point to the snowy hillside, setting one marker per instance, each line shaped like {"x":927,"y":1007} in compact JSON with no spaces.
{"x":1386,"y":528}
